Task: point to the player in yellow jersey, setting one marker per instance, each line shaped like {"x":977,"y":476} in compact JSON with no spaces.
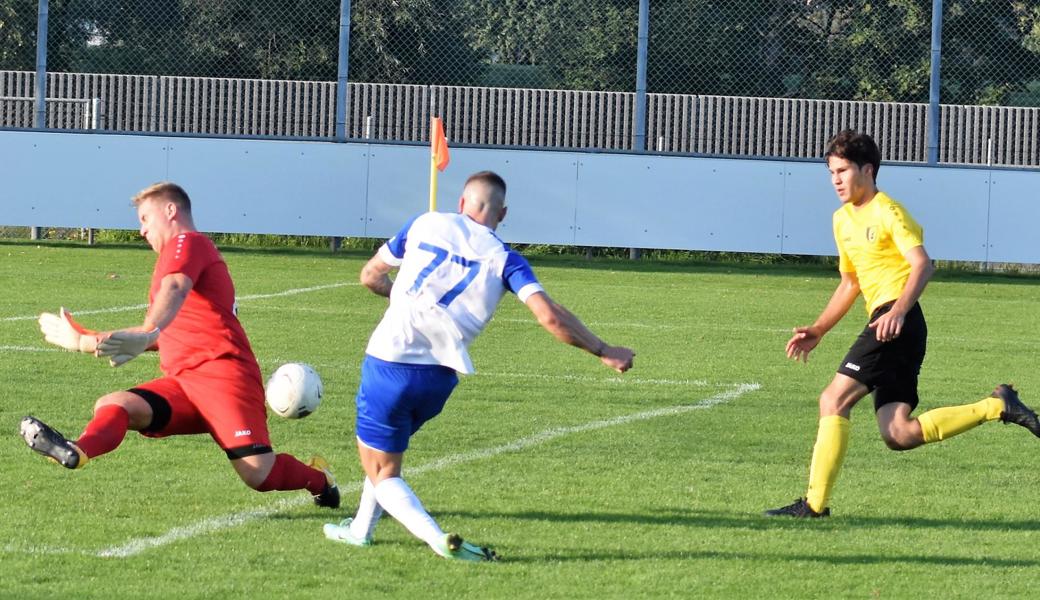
{"x":881,"y":254}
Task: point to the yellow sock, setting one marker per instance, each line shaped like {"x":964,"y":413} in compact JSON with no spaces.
{"x":832,"y":440}
{"x":942,"y":423}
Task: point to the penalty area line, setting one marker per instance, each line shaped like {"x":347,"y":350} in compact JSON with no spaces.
{"x":139,"y":545}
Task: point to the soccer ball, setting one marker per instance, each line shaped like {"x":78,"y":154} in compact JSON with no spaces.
{"x":294,"y":391}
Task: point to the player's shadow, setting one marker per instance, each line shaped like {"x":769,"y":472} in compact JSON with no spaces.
{"x":702,"y":519}
{"x":753,"y":521}
{"x":640,"y":552}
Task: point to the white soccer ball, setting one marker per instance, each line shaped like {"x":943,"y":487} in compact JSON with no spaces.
{"x":294,"y":391}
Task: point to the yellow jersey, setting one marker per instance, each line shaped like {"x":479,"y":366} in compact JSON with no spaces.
{"x":872,"y":243}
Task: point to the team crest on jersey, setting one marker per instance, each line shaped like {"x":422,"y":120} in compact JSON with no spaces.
{"x":871,"y":234}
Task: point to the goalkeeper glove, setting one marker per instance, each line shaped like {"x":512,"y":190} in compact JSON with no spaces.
{"x":123,"y":346}
{"x":62,"y":330}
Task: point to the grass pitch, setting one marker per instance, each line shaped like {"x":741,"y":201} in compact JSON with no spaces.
{"x":588,"y":483}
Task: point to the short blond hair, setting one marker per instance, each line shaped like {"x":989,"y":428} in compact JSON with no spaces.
{"x":171,"y":191}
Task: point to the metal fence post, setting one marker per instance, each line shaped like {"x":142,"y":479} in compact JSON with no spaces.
{"x":642,"y":40}
{"x":933,"y":83}
{"x":93,"y":121}
{"x":343,"y":70}
{"x":641,"y":52}
{"x":93,"y":117}
{"x":342,"y":77}
{"x":40,"y":102}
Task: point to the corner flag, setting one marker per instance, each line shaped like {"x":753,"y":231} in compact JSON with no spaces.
{"x":438,"y":157}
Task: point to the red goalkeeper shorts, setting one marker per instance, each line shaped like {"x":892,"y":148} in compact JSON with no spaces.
{"x":224,"y":398}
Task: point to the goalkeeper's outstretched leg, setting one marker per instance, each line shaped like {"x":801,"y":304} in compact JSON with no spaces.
{"x":49,"y":442}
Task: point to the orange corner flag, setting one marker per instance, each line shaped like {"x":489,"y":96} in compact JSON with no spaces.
{"x":438,"y":144}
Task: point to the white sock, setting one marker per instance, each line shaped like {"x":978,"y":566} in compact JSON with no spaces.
{"x":364,"y":524}
{"x":397,"y":498}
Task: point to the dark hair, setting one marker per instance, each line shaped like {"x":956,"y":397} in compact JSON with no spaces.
{"x":171,"y":191}
{"x":855,"y":147}
{"x":489,"y":178}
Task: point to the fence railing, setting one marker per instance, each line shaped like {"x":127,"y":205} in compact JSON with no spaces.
{"x":781,"y":127}
{"x":996,"y":135}
{"x":681,"y":123}
{"x":65,"y":109}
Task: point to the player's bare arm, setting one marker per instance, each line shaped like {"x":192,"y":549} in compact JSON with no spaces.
{"x":889,"y":325}
{"x":168,"y":301}
{"x":567,"y":328}
{"x":806,"y":338}
{"x":375,"y":275}
{"x":124,"y":345}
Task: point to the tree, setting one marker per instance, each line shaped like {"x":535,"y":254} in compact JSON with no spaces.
{"x":720,"y":47}
{"x":833,"y":49}
{"x":18,"y":22}
{"x":847,"y":49}
{"x":410,"y":41}
{"x":877,"y":52}
{"x":123,"y":36}
{"x":991,"y":52}
{"x":18,"y":35}
{"x":580,"y":44}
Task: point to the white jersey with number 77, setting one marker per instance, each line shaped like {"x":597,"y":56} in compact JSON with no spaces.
{"x":452,"y":273}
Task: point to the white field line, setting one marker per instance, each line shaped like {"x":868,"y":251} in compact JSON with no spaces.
{"x":36,"y":550}
{"x":737,"y":391}
{"x":658,"y":326}
{"x":849,"y":330}
{"x":139,"y":545}
{"x":27,"y":349}
{"x":626,"y":380}
{"x":119,"y":309}
{"x":98,"y":311}
{"x":623,"y":380}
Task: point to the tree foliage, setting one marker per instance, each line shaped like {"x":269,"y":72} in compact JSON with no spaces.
{"x":839,"y":49}
{"x":990,"y":47}
{"x":18,"y":35}
{"x":410,"y":41}
{"x":577,"y":44}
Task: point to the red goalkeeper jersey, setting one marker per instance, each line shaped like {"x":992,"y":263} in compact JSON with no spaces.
{"x":206,"y":327}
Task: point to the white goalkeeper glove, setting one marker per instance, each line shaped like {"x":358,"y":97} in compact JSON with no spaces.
{"x":123,"y":346}
{"x":62,"y":330}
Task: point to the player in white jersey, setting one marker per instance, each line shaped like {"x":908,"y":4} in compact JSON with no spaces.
{"x":453,"y":270}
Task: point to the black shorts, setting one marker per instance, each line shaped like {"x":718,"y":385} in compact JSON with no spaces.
{"x":889,"y":369}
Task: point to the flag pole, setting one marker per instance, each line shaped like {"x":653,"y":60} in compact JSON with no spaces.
{"x":433,"y":182}
{"x":438,"y":156}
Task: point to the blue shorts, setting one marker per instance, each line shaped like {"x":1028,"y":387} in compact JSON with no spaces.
{"x":395,"y":399}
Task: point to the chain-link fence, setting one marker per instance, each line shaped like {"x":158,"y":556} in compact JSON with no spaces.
{"x":265,"y":39}
{"x":877,"y":51}
{"x":14,"y":232}
{"x":847,"y":50}
{"x":723,"y":77}
{"x":991,"y":53}
{"x":822,"y":49}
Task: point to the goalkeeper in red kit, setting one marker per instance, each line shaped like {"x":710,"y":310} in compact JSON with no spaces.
{"x":211,"y":381}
